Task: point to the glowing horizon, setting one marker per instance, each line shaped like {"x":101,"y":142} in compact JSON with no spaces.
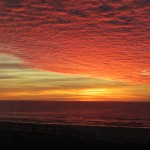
{"x":22,"y":82}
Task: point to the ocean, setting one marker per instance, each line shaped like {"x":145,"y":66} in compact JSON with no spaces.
{"x":108,"y":114}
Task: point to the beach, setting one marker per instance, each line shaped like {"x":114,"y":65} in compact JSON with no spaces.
{"x":71,"y":137}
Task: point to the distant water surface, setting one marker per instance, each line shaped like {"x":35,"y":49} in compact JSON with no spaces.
{"x":111,"y":114}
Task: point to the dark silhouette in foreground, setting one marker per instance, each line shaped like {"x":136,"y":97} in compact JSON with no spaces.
{"x":25,"y":136}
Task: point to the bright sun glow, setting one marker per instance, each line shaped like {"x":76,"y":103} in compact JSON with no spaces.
{"x":95,"y":92}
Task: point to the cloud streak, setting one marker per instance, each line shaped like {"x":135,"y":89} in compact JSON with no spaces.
{"x":20,"y":83}
{"x":107,"y":39}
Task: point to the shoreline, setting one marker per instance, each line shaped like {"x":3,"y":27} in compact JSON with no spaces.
{"x":80,"y":125}
{"x":70,"y":135}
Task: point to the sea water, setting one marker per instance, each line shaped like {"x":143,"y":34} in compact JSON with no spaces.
{"x":109,"y":114}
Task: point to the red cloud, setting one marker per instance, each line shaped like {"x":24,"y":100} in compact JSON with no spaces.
{"x":104,"y":39}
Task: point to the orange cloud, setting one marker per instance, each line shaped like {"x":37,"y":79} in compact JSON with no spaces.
{"x":107,"y":39}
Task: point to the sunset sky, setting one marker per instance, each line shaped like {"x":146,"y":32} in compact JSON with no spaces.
{"x":75,"y":50}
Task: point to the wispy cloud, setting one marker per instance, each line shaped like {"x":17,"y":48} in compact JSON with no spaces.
{"x":20,"y":83}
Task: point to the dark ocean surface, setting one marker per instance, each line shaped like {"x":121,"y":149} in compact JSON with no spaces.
{"x":110,"y":114}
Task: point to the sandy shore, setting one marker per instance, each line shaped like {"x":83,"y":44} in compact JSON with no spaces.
{"x":65,"y":137}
